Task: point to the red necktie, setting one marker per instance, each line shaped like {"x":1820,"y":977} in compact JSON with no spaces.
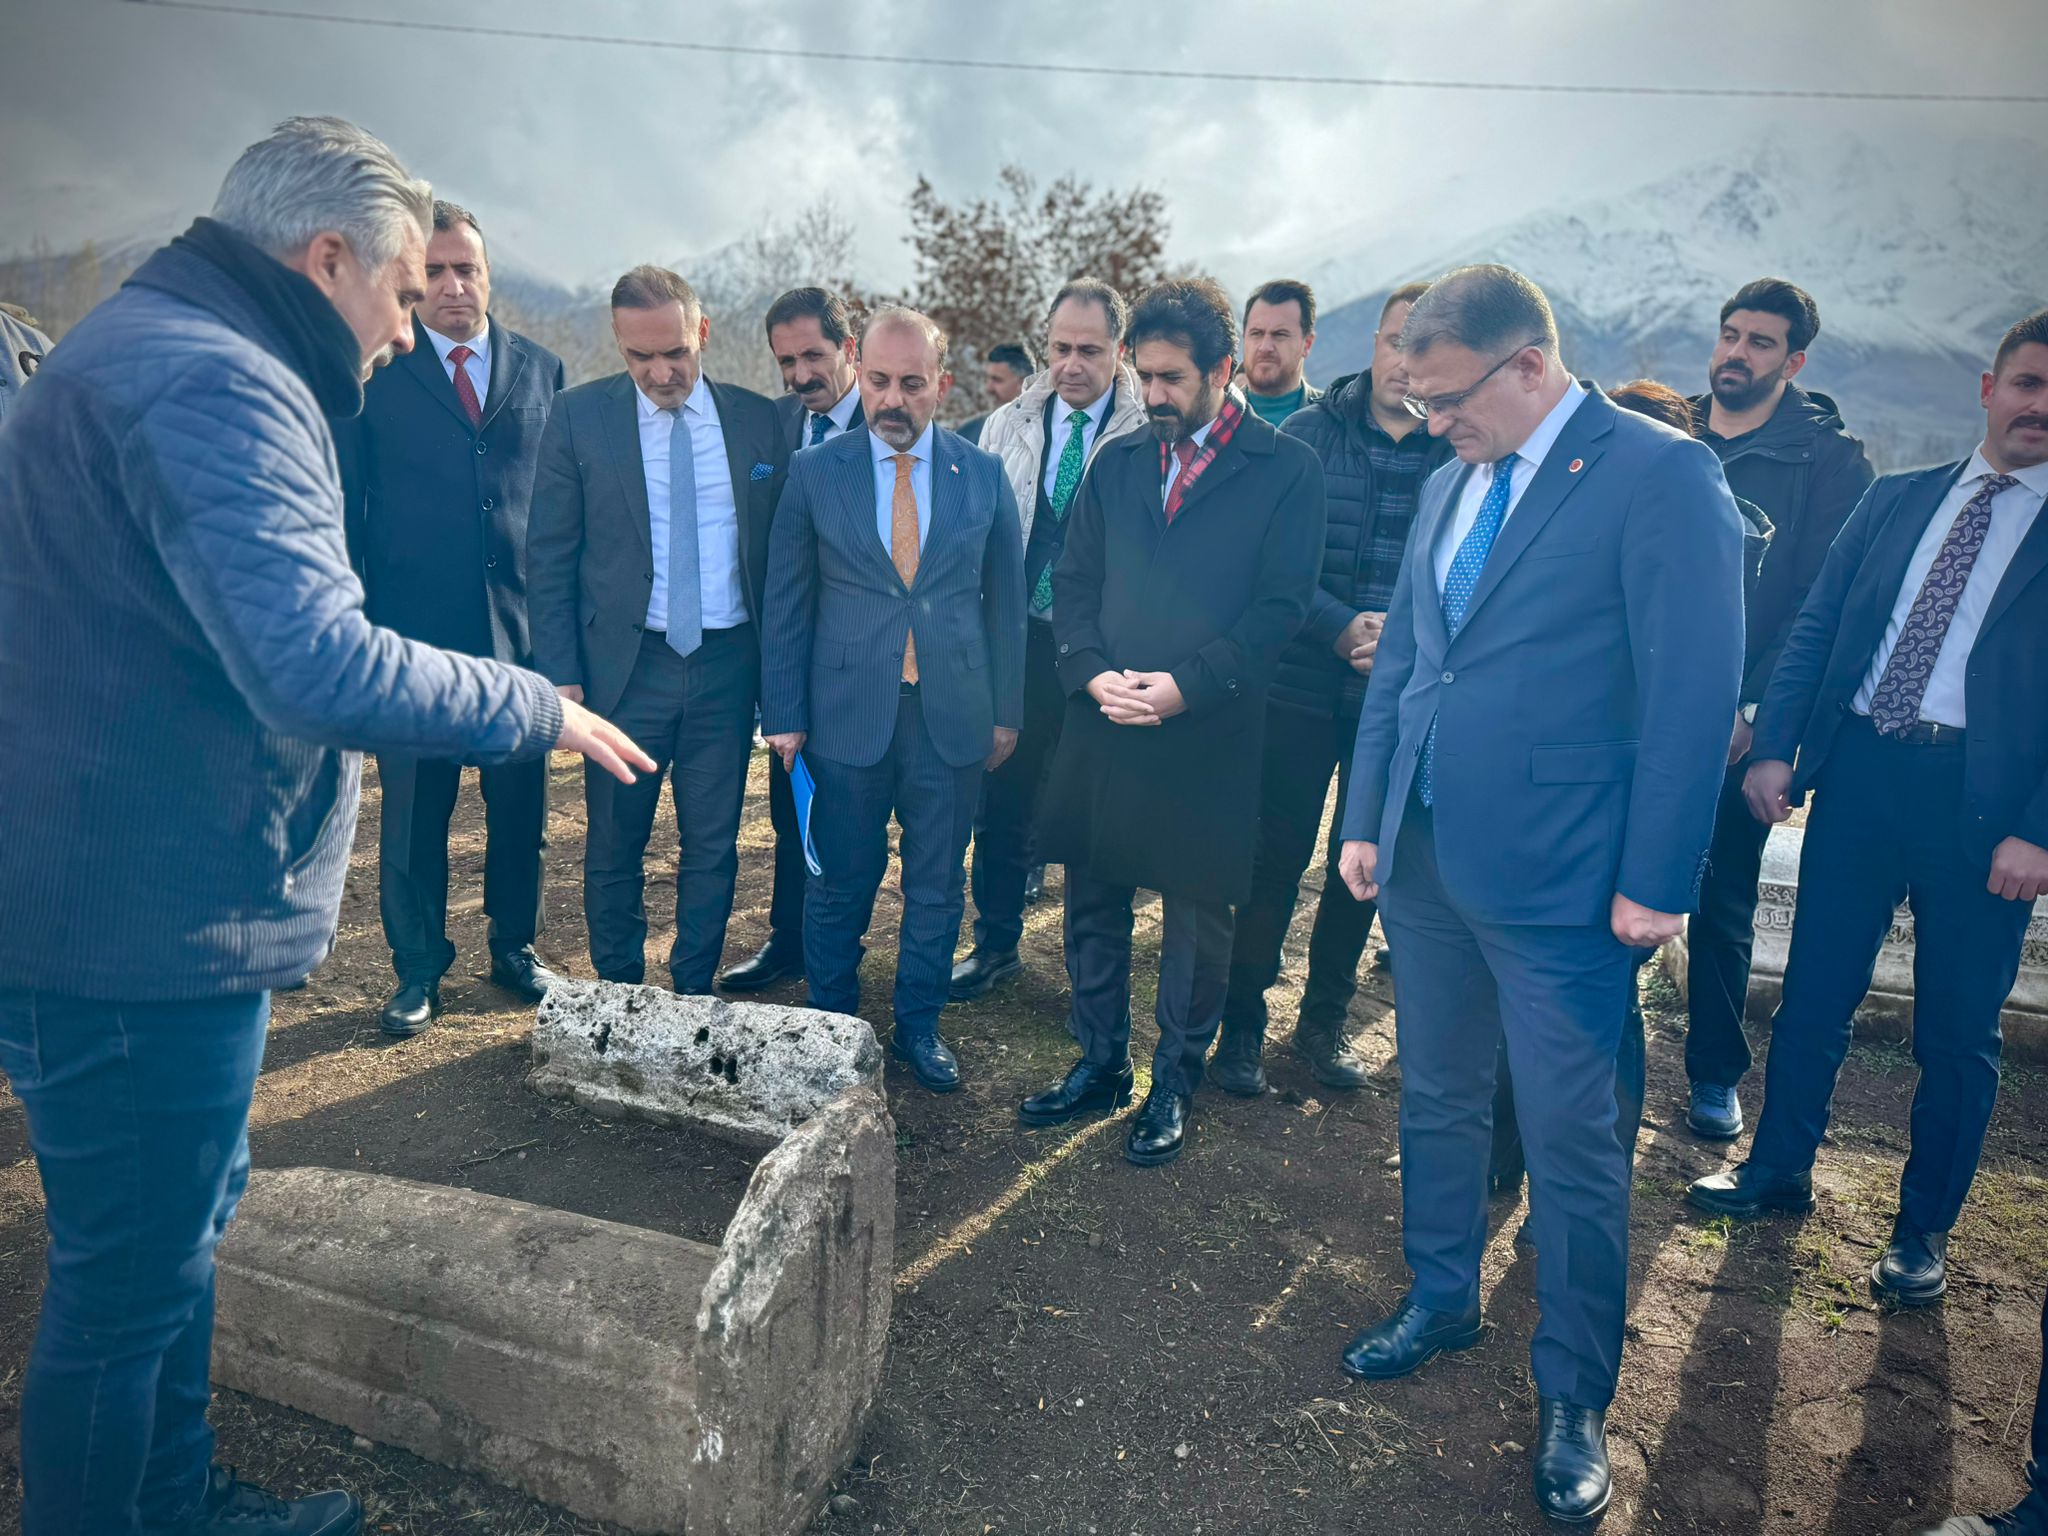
{"x":464,"y":390}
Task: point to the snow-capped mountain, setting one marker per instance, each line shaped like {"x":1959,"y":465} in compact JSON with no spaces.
{"x":1918,"y":260}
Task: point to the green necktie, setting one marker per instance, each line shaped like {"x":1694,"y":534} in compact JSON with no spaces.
{"x":1065,"y":481}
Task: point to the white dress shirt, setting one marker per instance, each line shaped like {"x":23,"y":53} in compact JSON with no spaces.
{"x":1062,"y":429}
{"x":1529,"y":459}
{"x":885,"y":488}
{"x":1173,"y":466}
{"x":2013,"y":512}
{"x":477,"y":365}
{"x":836,"y":418}
{"x":724,"y":600}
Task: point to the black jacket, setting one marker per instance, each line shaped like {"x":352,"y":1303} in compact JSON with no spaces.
{"x":1806,"y":472}
{"x":1831,"y":646}
{"x":1340,"y":428}
{"x":1212,"y":599}
{"x":436,"y":508}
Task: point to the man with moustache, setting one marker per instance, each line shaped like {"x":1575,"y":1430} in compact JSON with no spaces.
{"x":1532,"y":792}
{"x":810,"y":335}
{"x":1279,"y":331}
{"x":895,"y":664}
{"x":1002,"y":380}
{"x":1912,"y":697}
{"x":190,"y":682}
{"x":647,"y":550}
{"x":1375,"y":456}
{"x":438,"y":474}
{"x":1046,"y":439}
{"x":1783,"y":449}
{"x":1191,"y":555}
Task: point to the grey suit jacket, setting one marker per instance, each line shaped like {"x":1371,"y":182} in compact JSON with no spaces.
{"x":590,"y":541}
{"x":837,"y":612}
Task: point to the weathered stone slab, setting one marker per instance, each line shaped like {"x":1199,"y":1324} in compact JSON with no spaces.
{"x":747,"y":1071}
{"x":626,"y":1375}
{"x":1887,"y":1010}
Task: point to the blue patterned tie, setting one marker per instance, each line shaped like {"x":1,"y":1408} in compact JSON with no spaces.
{"x":1462,"y":582}
{"x":685,"y":588}
{"x":820,"y":425}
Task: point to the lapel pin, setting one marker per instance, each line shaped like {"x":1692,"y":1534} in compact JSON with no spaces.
{"x":1576,"y":465}
{"x":954,"y":467}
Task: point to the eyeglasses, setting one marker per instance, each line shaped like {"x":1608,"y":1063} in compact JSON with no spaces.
{"x":1422,"y":407}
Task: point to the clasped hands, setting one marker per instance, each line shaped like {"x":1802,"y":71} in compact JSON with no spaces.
{"x":1137,"y":698}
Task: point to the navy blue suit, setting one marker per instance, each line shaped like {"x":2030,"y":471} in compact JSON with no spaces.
{"x":436,"y":513}
{"x":1582,"y":716}
{"x":1894,"y":821}
{"x":837,"y":616}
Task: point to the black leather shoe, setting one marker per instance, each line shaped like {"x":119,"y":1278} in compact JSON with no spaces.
{"x":1409,"y":1340}
{"x":979,"y":973}
{"x":1747,"y":1191}
{"x":520,"y":972}
{"x":2029,"y":1517}
{"x":1160,"y":1128}
{"x":410,"y":1009}
{"x":777,"y":960}
{"x":1034,"y":885}
{"x":1914,"y":1269}
{"x":1234,"y":1065}
{"x":1086,"y":1090}
{"x":235,"y":1508}
{"x":1329,"y":1056}
{"x":930,"y":1061}
{"x":1571,"y":1476}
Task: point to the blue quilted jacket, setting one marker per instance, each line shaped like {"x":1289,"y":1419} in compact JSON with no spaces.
{"x":186,"y":676}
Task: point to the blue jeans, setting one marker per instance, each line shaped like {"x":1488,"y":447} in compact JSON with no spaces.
{"x":138,"y":1114}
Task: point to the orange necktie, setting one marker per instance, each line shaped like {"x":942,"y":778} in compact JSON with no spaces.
{"x":903,"y":547}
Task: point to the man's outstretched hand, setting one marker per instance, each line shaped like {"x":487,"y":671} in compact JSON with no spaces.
{"x":600,"y":741}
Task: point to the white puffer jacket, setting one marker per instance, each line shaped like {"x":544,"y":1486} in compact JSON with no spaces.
{"x":1015,"y":433}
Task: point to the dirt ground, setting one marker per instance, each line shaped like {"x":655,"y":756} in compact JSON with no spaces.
{"x":1082,"y":1346}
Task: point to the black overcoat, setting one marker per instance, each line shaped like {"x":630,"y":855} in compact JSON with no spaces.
{"x":1213,"y":599}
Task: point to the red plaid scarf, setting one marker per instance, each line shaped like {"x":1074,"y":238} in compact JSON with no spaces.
{"x":1228,"y":415}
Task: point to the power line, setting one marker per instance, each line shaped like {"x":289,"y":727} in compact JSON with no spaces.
{"x":1120,"y":71}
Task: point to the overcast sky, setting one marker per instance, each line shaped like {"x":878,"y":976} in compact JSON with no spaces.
{"x":119,"y":117}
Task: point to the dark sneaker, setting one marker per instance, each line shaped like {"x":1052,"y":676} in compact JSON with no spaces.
{"x":236,"y":1508}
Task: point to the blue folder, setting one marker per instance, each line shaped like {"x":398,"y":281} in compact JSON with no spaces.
{"x":806,"y":790}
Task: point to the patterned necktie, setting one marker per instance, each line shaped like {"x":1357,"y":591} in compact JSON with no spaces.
{"x":1184,"y":453}
{"x":1065,"y":481}
{"x":820,"y":425}
{"x":685,"y":587}
{"x":464,"y":390}
{"x":1895,"y":706}
{"x":903,"y":545}
{"x":1462,"y":581}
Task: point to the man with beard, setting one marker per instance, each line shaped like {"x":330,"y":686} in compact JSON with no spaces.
{"x":1912,"y":696}
{"x":810,"y":335}
{"x":1192,"y":552}
{"x":1375,"y":457}
{"x":1046,"y":439}
{"x":1785,"y":450}
{"x":895,"y":663}
{"x":647,"y":550}
{"x":1534,"y":788}
{"x":190,"y":683}
{"x":1279,"y":331}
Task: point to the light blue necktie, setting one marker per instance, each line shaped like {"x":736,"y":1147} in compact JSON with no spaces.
{"x":1462,"y":582}
{"x":685,"y":588}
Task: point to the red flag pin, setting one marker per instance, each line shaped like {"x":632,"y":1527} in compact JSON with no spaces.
{"x":1576,"y":465}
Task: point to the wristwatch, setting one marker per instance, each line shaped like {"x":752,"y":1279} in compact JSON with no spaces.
{"x":1749,"y":714}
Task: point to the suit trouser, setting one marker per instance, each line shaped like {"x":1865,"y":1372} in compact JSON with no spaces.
{"x":786,"y":905}
{"x":1885,"y":825}
{"x":933,"y":802}
{"x":694,"y":716}
{"x":1009,"y":801}
{"x":1194,"y":966}
{"x":2037,"y":1467}
{"x":412,"y":857}
{"x":1631,"y":1076}
{"x":1301,"y":751}
{"x":1719,"y":939}
{"x":1559,"y":995}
